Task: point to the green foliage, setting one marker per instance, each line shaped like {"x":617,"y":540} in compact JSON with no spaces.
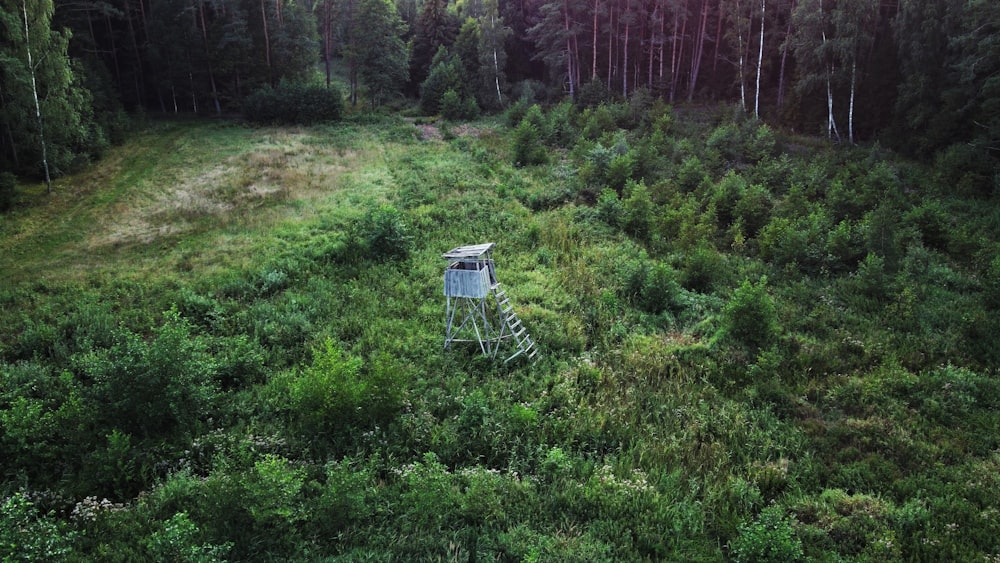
{"x":593,"y":93}
{"x":177,"y":541}
{"x":843,"y":410}
{"x":771,"y":537}
{"x":53,"y":85}
{"x":447,"y":74}
{"x":528,"y":149}
{"x":454,"y":107}
{"x":294,"y":104}
{"x":750,"y":318}
{"x":704,"y":270}
{"x":382,"y":234}
{"x":639,"y":210}
{"x":653,"y":287}
{"x":155,"y":388}
{"x":334,"y":393}
{"x":610,"y":208}
{"x":27,"y":535}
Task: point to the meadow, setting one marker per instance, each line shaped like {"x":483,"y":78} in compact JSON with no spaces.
{"x":225,"y":342}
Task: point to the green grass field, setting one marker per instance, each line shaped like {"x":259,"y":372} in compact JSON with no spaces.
{"x":225,"y":342}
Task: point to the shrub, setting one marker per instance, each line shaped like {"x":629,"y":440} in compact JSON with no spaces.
{"x":8,"y":186}
{"x":455,"y":107}
{"x":381,"y":234}
{"x":446,"y":74}
{"x":334,"y":393}
{"x":749,"y":317}
{"x":561,"y":125}
{"x":639,"y":210}
{"x":704,"y":267}
{"x":653,"y":287}
{"x":528,"y":148}
{"x":610,"y":208}
{"x":294,"y":104}
{"x":593,"y":94}
{"x":692,"y":174}
{"x":153,"y":388}
{"x":771,"y":537}
{"x":177,"y":540}
{"x":27,"y":535}
{"x":753,"y":210}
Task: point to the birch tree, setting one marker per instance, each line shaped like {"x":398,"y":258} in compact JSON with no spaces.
{"x":815,"y":56}
{"x":493,"y":34}
{"x":47,"y":113}
{"x":854,"y":24}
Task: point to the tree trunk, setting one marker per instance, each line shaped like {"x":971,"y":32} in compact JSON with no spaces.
{"x":611,"y":40}
{"x":831,"y":123}
{"x":850,"y":112}
{"x":697,"y":51}
{"x":593,"y":63}
{"x":114,"y":52}
{"x":718,"y":39}
{"x":496,"y":63}
{"x":675,"y":58}
{"x":739,"y":45}
{"x":34,"y":92}
{"x":569,"y":69}
{"x":194,"y":93}
{"x":267,"y":42}
{"x":628,"y":22}
{"x":208,"y":59}
{"x":327,"y":38}
{"x":652,"y":50}
{"x":663,"y":40}
{"x":139,"y":83}
{"x":570,"y":73}
{"x":760,"y":61}
{"x":784,"y":57}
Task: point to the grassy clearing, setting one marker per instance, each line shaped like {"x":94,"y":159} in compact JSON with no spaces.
{"x":743,"y":354}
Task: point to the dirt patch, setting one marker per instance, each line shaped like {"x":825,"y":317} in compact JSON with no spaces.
{"x":429,"y":132}
{"x":274,"y":170}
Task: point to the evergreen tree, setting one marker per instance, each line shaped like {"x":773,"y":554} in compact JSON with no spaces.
{"x":435,"y":28}
{"x":384,"y":60}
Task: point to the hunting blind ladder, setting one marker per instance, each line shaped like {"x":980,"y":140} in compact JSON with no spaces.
{"x":475,"y":299}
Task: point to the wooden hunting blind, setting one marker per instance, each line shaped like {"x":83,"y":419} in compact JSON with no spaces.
{"x":482,"y":308}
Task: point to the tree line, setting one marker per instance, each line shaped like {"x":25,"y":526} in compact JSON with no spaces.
{"x":921,"y":75}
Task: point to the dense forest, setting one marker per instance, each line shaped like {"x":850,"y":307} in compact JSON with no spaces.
{"x":756,"y":243}
{"x":919,"y":75}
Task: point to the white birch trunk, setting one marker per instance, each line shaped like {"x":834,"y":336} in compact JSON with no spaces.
{"x":496,"y":65}
{"x":625,"y":56}
{"x":34,"y":92}
{"x":593,"y":63}
{"x":850,"y":112}
{"x":739,"y":39}
{"x":760,"y":60}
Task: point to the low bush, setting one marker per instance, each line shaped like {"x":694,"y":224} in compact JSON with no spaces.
{"x":749,"y":318}
{"x":771,"y":537}
{"x":528,"y":149}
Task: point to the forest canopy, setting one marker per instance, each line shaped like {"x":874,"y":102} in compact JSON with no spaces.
{"x":919,"y":75}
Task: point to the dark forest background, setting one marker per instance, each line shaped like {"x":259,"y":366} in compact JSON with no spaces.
{"x":921,"y":76}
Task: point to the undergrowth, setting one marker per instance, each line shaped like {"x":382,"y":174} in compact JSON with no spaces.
{"x":227,"y":343}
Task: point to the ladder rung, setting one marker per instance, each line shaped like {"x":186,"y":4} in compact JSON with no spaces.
{"x":504,"y":302}
{"x":533,"y":353}
{"x":516,"y":323}
{"x":519,"y":333}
